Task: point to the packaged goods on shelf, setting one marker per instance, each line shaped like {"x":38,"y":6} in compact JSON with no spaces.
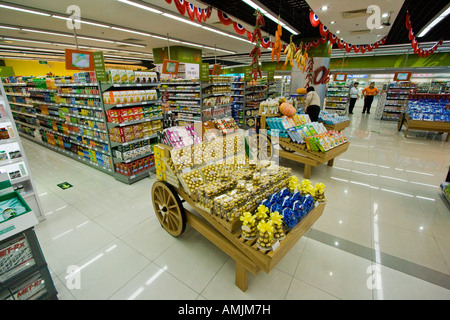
{"x":133,"y":150}
{"x":124,"y":115}
{"x":181,"y":136}
{"x":429,"y":110}
{"x":135,"y":167}
{"x":332,"y":118}
{"x":129,"y":96}
{"x":135,"y":132}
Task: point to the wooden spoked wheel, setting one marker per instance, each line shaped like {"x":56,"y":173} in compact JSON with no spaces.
{"x":168,"y":208}
{"x":257,"y":141}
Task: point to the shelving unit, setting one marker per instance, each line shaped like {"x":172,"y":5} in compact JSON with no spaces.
{"x":397,"y":97}
{"x":24,"y":274}
{"x":132,"y":128}
{"x":238,"y":94}
{"x":196,"y":101}
{"x":337,"y":98}
{"x":13,"y":161}
{"x":72,"y":118}
{"x":254,"y":94}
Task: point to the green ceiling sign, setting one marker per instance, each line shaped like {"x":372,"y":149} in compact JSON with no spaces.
{"x":398,"y":61}
{"x":179,"y":53}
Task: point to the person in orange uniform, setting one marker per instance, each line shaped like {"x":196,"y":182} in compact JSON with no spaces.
{"x":369,"y":93}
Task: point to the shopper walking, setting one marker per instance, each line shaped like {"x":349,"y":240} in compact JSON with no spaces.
{"x":312,"y":106}
{"x":354,"y":95}
{"x":369,"y":93}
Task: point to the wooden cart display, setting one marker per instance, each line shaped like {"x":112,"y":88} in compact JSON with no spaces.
{"x":296,"y":152}
{"x":423,"y":125}
{"x":338,"y":126}
{"x":168,"y":202}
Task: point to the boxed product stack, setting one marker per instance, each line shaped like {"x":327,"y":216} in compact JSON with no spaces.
{"x":129,"y":96}
{"x":332,"y":118}
{"x":181,"y":136}
{"x":429,"y":110}
{"x":125,"y":115}
{"x":130,"y":76}
{"x":135,"y":167}
{"x":278,"y":126}
{"x":135,"y":132}
{"x":133,"y":150}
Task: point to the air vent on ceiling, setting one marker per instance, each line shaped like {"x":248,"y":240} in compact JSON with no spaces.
{"x":132,"y":40}
{"x":354,"y":14}
{"x":359,"y":32}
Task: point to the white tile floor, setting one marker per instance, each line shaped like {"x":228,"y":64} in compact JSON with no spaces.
{"x":382,"y":197}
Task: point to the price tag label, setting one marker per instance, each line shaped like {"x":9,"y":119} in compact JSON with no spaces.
{"x":275,"y":246}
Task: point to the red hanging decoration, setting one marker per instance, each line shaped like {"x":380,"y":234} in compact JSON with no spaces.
{"x":180,"y":6}
{"x":190,"y":8}
{"x":356,"y":48}
{"x":414,"y":43}
{"x":314,"y":19}
{"x":223,"y":17}
{"x":266,"y":44}
{"x":198,"y":14}
{"x":256,"y":52}
{"x":169,"y":1}
{"x":348,"y":47}
{"x":323,"y":30}
{"x":332,"y":38}
{"x":238,"y":28}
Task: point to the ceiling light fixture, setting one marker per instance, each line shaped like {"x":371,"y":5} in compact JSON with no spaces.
{"x":440,"y":16}
{"x":169,"y":15}
{"x":24,"y":10}
{"x":270,"y":16}
{"x":324,"y":8}
{"x":141,"y":6}
{"x":81,"y":21}
{"x":332,"y":22}
{"x":46,"y":32}
{"x":131,"y":31}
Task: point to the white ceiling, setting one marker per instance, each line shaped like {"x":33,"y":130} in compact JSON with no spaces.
{"x":113,"y":12}
{"x":354,"y":30}
{"x":118,"y":14}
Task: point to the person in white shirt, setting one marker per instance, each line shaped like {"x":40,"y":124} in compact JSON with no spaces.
{"x":312,"y":106}
{"x":354,"y":95}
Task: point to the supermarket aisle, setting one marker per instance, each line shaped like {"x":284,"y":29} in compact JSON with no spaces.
{"x":383,"y":235}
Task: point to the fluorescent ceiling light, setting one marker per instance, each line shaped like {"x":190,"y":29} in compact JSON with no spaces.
{"x":81,"y":21}
{"x":95,"y":39}
{"x":24,"y":10}
{"x":141,"y":6}
{"x":270,"y":16}
{"x":225,"y":34}
{"x":46,"y":32}
{"x":131,"y":31}
{"x":130,"y":44}
{"x":32,"y":41}
{"x":168,"y":15}
{"x":10,"y":28}
{"x":441,"y":16}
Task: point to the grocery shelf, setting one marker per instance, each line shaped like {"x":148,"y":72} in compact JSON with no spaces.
{"x":134,"y":104}
{"x":116,"y":144}
{"x":117,"y":160}
{"x":124,"y":124}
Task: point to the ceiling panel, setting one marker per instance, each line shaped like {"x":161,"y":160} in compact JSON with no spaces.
{"x":293,"y":12}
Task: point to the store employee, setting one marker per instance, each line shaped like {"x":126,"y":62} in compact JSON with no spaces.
{"x":354,"y":95}
{"x":369,"y":93}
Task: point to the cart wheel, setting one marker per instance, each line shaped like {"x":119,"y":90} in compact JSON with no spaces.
{"x":401,"y":120}
{"x":257,"y":140}
{"x":168,"y":208}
